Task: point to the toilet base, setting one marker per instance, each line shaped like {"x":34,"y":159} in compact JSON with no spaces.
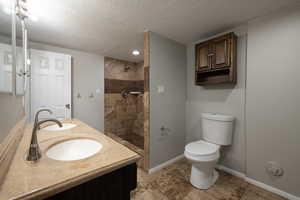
{"x":203,"y":179}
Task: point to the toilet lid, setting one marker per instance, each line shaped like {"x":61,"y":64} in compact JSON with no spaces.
{"x":201,"y":148}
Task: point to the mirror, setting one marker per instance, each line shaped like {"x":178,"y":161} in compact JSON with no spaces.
{"x":6,"y":70}
{"x":12,"y":68}
{"x":6,"y":62}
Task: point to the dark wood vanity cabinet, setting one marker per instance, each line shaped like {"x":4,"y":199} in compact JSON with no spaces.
{"x":115,"y":185}
{"x":215,"y":60}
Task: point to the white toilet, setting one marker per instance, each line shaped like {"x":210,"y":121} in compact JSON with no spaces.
{"x":204,"y":154}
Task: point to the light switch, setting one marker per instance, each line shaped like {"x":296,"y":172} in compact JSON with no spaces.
{"x":98,"y":91}
{"x":161,"y":89}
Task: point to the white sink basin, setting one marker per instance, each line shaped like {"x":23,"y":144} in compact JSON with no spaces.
{"x":74,"y":149}
{"x":55,"y":127}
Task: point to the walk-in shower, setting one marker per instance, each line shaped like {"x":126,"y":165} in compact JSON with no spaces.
{"x":124,"y":104}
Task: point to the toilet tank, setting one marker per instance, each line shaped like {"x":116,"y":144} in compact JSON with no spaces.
{"x":217,"y":128}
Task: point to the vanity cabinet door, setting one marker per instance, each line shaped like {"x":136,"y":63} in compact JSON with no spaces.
{"x":203,"y":58}
{"x":115,"y":185}
{"x":221,"y":52}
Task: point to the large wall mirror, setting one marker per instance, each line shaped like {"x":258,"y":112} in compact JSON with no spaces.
{"x":12,"y":67}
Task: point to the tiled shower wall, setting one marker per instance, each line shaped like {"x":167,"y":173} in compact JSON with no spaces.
{"x":123,"y":117}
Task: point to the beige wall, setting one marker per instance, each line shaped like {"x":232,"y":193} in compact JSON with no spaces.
{"x":273,"y":96}
{"x":226,"y":99}
{"x":167,"y":69}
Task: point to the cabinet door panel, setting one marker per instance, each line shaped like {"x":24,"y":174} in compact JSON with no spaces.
{"x":203,"y":61}
{"x":221,"y":57}
{"x":221,"y":52}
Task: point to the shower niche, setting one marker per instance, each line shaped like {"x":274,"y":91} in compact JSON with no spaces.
{"x":124,"y":107}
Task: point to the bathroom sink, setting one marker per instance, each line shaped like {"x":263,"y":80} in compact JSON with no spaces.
{"x":74,"y":149}
{"x":55,"y":127}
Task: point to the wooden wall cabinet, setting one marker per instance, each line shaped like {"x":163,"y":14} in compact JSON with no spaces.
{"x":216,"y":60}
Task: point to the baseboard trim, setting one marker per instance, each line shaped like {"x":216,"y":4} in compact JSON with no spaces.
{"x":257,"y":183}
{"x":165,"y":164}
{"x":231,"y":171}
{"x":272,"y":189}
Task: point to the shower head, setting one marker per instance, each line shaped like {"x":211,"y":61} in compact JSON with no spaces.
{"x":126,"y":68}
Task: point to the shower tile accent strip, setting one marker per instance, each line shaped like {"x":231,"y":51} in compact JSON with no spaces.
{"x":117,"y":86}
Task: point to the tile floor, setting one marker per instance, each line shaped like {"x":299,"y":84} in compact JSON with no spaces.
{"x":172,"y":183}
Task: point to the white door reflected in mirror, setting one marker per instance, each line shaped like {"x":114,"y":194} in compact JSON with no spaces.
{"x":50,"y":84}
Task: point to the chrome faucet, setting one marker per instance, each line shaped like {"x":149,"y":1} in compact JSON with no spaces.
{"x":34,"y":152}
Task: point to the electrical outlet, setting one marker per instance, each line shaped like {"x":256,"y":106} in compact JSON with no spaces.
{"x":160,"y":89}
{"x":274,"y":169}
{"x":98,"y":91}
{"x":164,"y":132}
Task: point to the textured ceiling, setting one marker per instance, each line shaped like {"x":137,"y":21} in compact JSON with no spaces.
{"x":115,"y":27}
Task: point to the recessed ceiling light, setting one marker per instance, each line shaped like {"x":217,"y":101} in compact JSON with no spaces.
{"x":135,"y":52}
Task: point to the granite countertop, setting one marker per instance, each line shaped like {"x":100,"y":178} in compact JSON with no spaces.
{"x":26,"y":180}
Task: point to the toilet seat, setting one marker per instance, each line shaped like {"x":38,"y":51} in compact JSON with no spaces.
{"x":202,"y":151}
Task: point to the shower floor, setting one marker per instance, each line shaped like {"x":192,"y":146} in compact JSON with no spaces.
{"x":134,"y":139}
{"x":131,"y":146}
{"x":138,"y":148}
